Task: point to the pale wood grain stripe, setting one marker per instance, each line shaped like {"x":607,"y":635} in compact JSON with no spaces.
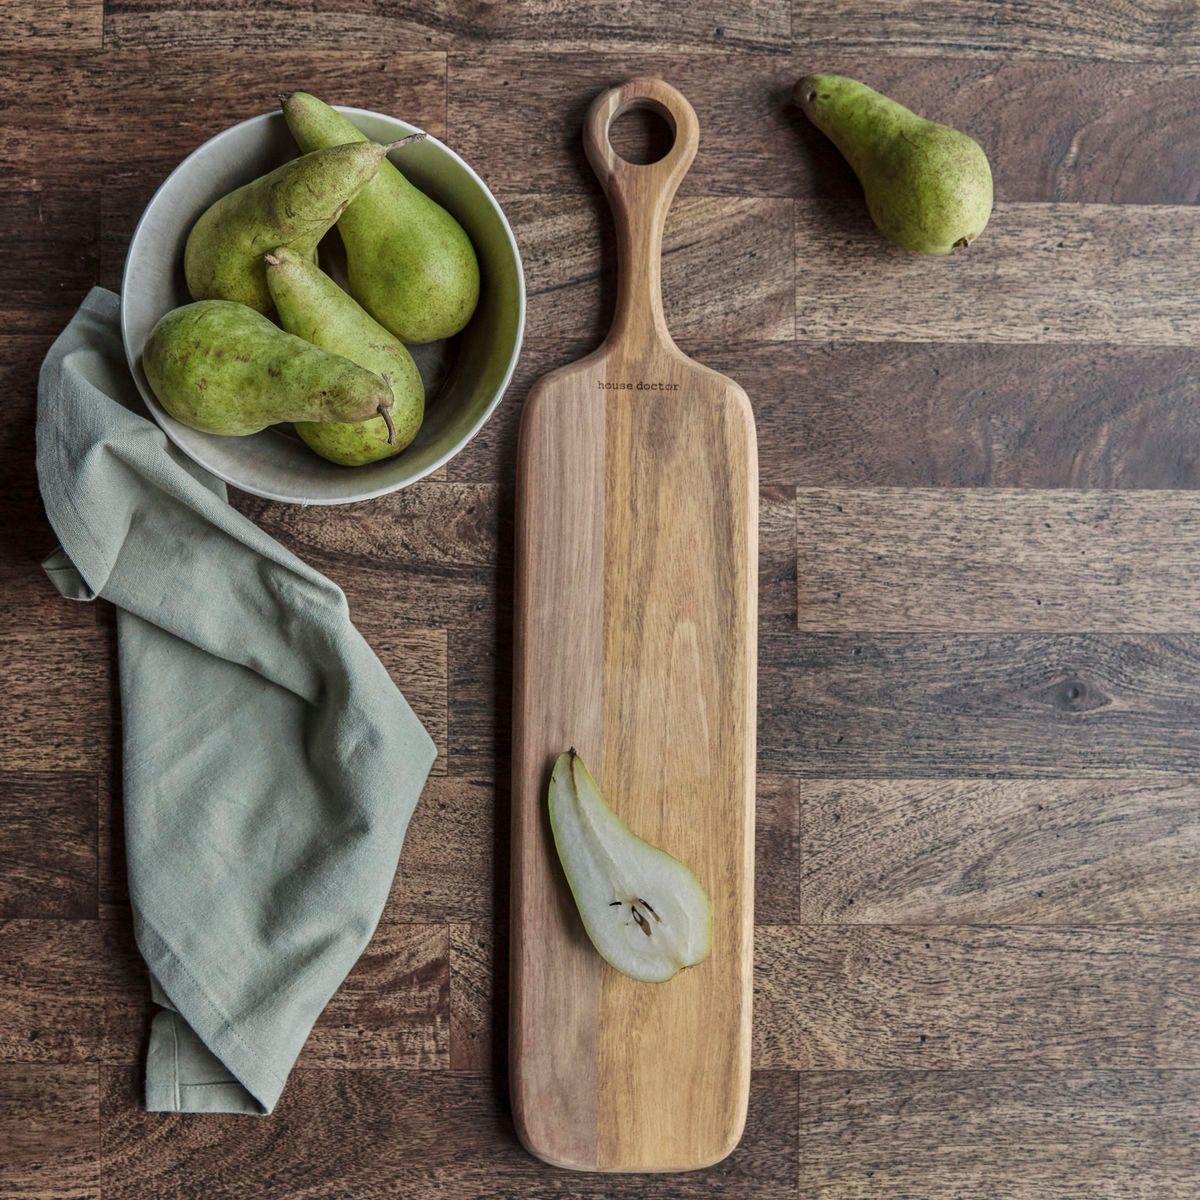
{"x":49,"y":1132}
{"x":942,"y":997}
{"x":1141,"y":30}
{"x":534,"y":26}
{"x":1030,"y":705}
{"x":1038,"y":273}
{"x":989,"y":561}
{"x":998,"y":1135}
{"x":727,"y":269}
{"x":973,"y":851}
{"x":376,"y":1135}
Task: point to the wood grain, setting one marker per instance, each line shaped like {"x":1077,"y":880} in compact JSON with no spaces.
{"x":1146,"y":30}
{"x":1005,"y":1135}
{"x":994,"y":851}
{"x":777,"y":842}
{"x":50,"y":1133}
{"x":777,"y":556}
{"x":1112,"y":133}
{"x":57,"y":711}
{"x":635,"y":630}
{"x":51,"y":263}
{"x":1039,"y":273}
{"x":447,"y":867}
{"x":393,"y":1009}
{"x":731,"y":259}
{"x":48,"y":863}
{"x":28,"y":27}
{"x":854,"y":414}
{"x":474,"y":954}
{"x":1033,"y":705}
{"x":949,"y":997}
{"x":948,"y":560}
{"x":133,"y":116}
{"x":444,"y":1134}
{"x":71,"y":992}
{"x":534,"y":25}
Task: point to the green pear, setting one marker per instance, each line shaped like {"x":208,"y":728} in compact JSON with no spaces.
{"x":928,"y":187}
{"x":312,"y":306}
{"x":645,"y":912}
{"x":295,"y":206}
{"x":410,"y":264}
{"x":223,"y":368}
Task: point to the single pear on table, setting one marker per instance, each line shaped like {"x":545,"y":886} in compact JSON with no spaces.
{"x":310,"y":305}
{"x":645,"y":912}
{"x":409,"y":262}
{"x":221,"y":367}
{"x":928,"y":187}
{"x":295,"y":206}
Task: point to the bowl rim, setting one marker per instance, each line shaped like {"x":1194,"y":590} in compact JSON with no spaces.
{"x":371,"y":493}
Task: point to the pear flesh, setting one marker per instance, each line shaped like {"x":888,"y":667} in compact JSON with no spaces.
{"x":295,"y":206}
{"x":222,"y":368}
{"x":928,"y":187}
{"x":312,"y":306}
{"x":409,"y":262}
{"x":645,"y":912}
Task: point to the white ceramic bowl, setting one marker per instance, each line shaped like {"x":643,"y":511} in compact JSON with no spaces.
{"x":465,"y":377}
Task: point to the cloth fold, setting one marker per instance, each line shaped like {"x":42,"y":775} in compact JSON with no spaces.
{"x":270,"y":764}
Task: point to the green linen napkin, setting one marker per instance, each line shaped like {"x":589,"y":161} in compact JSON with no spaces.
{"x":270,"y":764}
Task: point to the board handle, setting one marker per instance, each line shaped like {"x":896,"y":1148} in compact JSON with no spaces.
{"x":639,"y":196}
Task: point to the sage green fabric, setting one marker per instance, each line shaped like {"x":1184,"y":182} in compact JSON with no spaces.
{"x":270,"y":764}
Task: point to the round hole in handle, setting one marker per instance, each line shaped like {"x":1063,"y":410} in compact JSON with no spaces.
{"x":642,"y":131}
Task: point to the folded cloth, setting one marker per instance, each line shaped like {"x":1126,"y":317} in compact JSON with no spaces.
{"x":270,"y":764}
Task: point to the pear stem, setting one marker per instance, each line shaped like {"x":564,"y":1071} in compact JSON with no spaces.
{"x":387,"y":420}
{"x":404,"y":141}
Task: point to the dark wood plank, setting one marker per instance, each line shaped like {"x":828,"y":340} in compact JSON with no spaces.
{"x":37,"y":26}
{"x":416,"y":661}
{"x":375,"y":1134}
{"x":1033,"y":705}
{"x":855,"y":414}
{"x":49,"y":1132}
{"x":72,"y":992}
{"x":943,"y":997}
{"x":533,"y":25}
{"x":131,"y":117}
{"x":1145,"y":31}
{"x":1082,"y":131}
{"x":476,"y":1033}
{"x":962,"y":560}
{"x":58,"y":695}
{"x":447,"y":867}
{"x":726,"y":270}
{"x":48,"y":864}
{"x":777,"y":850}
{"x":777,"y":556}
{"x":393,"y":1009}
{"x":1038,"y":273}
{"x":852,"y":414}
{"x":976,"y":851}
{"x":1010,"y":1135}
{"x":53,"y":254}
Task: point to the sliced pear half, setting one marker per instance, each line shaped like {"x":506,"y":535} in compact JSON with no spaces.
{"x":645,"y":912}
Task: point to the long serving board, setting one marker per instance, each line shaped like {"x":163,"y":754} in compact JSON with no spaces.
{"x":635,"y":643}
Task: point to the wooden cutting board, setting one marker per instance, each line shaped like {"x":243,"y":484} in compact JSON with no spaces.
{"x":636,"y":549}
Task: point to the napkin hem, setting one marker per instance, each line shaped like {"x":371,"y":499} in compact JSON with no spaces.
{"x":206,"y":1019}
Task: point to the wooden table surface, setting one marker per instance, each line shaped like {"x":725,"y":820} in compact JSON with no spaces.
{"x":977,"y":949}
